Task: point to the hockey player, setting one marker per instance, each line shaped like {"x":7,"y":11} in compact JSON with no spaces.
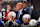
{"x":39,"y":21}
{"x":26,"y":19}
{"x":33,"y":22}
{"x":11,"y":21}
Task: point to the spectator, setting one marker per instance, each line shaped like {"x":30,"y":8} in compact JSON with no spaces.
{"x":24,"y":4}
{"x":26,"y":8}
{"x":19,"y":7}
{"x":20,"y":11}
{"x":9,"y":7}
{"x":1,"y":23}
{"x":17,"y":0}
{"x":3,"y":10}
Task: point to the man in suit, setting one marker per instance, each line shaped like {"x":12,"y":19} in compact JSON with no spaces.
{"x":26,"y":7}
{"x":20,"y":11}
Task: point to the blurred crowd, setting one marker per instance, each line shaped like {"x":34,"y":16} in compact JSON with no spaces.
{"x":17,"y":13}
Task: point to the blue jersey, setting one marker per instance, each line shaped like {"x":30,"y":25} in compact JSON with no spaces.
{"x":25,"y":23}
{"x":1,"y":24}
{"x":39,"y":23}
{"x":17,"y":21}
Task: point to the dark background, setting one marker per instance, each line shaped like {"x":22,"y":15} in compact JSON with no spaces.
{"x":36,"y":11}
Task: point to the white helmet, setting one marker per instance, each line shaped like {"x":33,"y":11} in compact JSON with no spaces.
{"x":33,"y":22}
{"x":13,"y":14}
{"x":27,"y":16}
{"x":3,"y":9}
{"x":39,"y":19}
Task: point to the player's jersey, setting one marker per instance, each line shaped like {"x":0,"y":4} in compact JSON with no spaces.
{"x":25,"y":23}
{"x":1,"y":24}
{"x":15,"y":22}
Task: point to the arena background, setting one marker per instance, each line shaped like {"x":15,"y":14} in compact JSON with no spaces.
{"x":36,"y":4}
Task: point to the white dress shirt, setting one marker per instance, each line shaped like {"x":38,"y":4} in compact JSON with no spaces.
{"x":20,"y":12}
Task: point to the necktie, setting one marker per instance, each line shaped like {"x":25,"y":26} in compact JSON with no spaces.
{"x":18,"y":16}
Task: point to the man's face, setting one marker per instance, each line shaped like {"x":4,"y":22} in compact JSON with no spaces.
{"x":25,"y":20}
{"x":19,"y":6}
{"x":24,"y":4}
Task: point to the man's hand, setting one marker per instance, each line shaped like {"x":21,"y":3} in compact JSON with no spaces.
{"x":10,"y":17}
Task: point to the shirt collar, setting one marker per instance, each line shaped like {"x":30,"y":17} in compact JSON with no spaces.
{"x":21,"y":10}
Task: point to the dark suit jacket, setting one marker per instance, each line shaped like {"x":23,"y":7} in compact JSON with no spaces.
{"x":23,"y":12}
